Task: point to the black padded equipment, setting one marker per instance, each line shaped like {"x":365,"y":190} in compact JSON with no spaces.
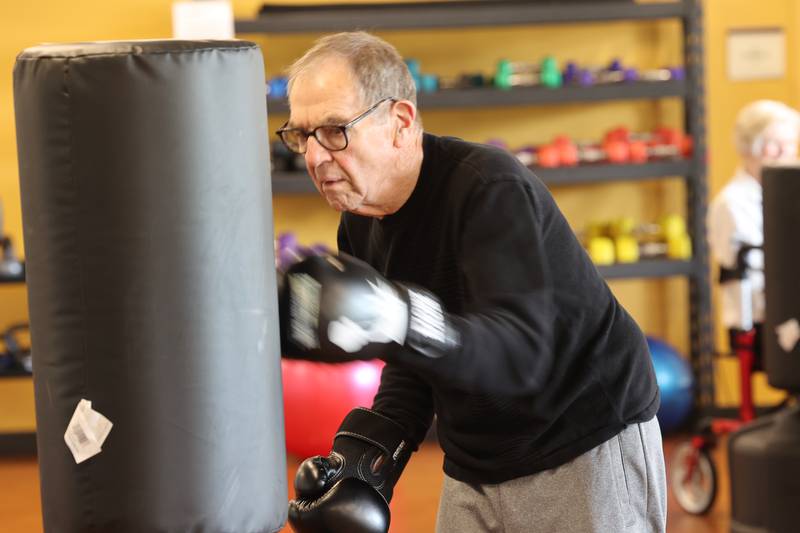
{"x":147,"y":221}
{"x":781,"y":270}
{"x":764,"y":456}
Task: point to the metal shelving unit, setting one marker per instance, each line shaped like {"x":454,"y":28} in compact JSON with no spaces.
{"x":649,"y":268}
{"x":413,"y":16}
{"x":300,"y":182}
{"x":460,"y":14}
{"x":23,"y":443}
{"x":14,"y":374}
{"x":522,"y":96}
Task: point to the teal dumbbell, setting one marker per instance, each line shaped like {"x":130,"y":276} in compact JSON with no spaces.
{"x":517,"y":74}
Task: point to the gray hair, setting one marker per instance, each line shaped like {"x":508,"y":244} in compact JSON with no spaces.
{"x":754,"y":121}
{"x":378,"y":67}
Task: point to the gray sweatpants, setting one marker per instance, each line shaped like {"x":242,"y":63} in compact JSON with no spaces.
{"x":617,"y":486}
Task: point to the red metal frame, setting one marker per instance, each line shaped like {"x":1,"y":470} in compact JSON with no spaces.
{"x":744,"y":348}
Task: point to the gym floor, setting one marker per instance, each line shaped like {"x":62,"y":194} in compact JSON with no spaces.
{"x":413,"y":507}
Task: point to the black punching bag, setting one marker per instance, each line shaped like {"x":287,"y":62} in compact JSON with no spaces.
{"x":147,"y":220}
{"x":764,"y":455}
{"x":782,"y":276}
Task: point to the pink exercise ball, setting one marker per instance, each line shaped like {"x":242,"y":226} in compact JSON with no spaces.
{"x":317,"y":396}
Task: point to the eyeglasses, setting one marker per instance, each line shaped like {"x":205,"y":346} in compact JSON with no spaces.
{"x":332,"y":137}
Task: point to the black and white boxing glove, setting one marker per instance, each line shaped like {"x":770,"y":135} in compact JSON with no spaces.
{"x":349,"y":490}
{"x":335,"y":308}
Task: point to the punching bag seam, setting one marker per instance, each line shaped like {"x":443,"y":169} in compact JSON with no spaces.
{"x":137,"y":53}
{"x":88,"y":507}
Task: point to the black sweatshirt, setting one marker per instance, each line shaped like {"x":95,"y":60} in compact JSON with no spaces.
{"x":550,"y":364}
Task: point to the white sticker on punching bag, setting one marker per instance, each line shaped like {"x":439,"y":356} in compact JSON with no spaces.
{"x":788,"y":334}
{"x":86,"y":432}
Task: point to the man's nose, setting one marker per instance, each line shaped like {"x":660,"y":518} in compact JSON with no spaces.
{"x":316,"y":153}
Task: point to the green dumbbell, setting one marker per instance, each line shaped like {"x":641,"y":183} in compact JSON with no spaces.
{"x":550,"y":75}
{"x":510,"y":74}
{"x":516,"y":74}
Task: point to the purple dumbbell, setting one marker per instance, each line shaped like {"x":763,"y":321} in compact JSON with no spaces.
{"x":288,"y":250}
{"x":630,"y":74}
{"x":677,"y":73}
{"x":585,"y":77}
{"x":615,"y":65}
{"x":498,"y":143}
{"x":570,"y":72}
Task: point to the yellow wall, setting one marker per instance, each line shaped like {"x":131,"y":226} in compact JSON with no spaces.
{"x":659,"y":306}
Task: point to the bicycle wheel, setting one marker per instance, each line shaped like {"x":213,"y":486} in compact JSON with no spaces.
{"x":693,"y":478}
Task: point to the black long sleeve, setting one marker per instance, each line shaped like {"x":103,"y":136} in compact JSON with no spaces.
{"x":507,"y":334}
{"x":402,"y":395}
{"x":550,"y":364}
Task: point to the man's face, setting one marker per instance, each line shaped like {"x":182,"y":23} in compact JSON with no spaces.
{"x":357,"y":178}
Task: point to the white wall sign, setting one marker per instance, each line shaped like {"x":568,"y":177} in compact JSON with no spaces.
{"x":206,"y":19}
{"x":756,"y":54}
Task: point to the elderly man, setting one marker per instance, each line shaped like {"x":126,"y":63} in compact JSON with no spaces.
{"x":459,"y":271}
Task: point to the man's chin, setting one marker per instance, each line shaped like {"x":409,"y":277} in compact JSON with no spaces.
{"x":337,"y":203}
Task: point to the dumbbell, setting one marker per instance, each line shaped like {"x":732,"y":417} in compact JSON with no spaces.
{"x":466,"y":80}
{"x":571,"y":153}
{"x":545,"y":155}
{"x":671,"y":142}
{"x":510,"y":74}
{"x":611,"y":151}
{"x":613,"y":73}
{"x":426,"y":83}
{"x":289,"y":250}
{"x":617,"y":147}
{"x":667,"y":238}
{"x":662,"y":143}
{"x":624,"y":241}
{"x":663,"y":74}
{"x":673,"y":231}
{"x":563,"y":151}
{"x":618,"y":151}
{"x":560,"y":152}
{"x":277,"y":87}
{"x":612,"y":242}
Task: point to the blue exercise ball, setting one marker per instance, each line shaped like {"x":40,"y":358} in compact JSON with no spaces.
{"x":676,"y":381}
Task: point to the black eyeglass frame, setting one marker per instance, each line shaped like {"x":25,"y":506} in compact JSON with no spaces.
{"x":341,"y":127}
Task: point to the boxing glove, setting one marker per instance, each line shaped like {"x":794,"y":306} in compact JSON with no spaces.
{"x":337,"y":308}
{"x":350,"y":489}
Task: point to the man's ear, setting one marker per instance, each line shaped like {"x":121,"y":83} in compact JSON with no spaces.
{"x":404,"y":114}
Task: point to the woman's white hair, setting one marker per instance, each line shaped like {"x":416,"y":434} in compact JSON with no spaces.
{"x":757,"y":120}
{"x":377,"y":65}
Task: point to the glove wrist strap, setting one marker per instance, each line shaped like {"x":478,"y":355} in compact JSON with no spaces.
{"x":374,"y":428}
{"x":429,"y":329}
